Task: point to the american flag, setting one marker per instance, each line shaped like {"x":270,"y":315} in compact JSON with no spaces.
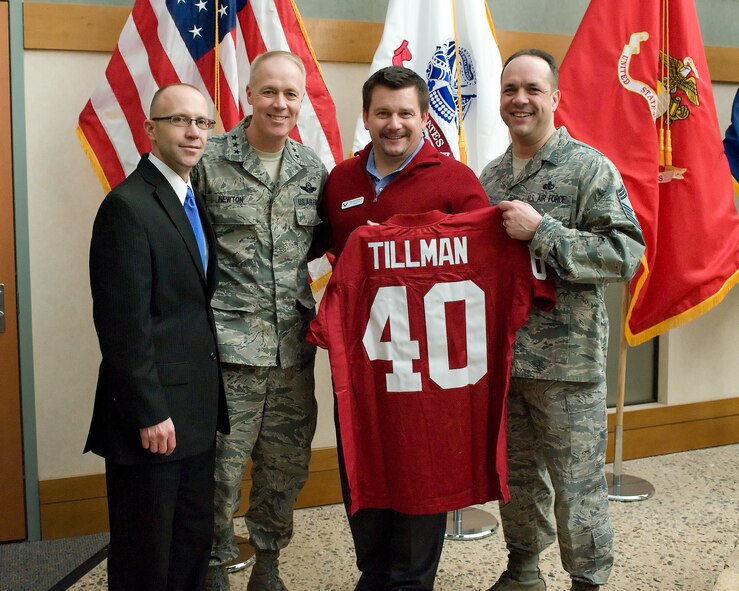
{"x":166,"y":41}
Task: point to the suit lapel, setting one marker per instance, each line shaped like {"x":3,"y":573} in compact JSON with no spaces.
{"x":169,"y":201}
{"x":210,"y":238}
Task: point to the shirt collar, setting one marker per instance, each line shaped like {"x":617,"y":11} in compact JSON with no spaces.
{"x":175,"y":180}
{"x":382,"y":181}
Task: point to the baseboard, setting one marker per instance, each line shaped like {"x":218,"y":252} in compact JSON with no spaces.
{"x":670,"y":429}
{"x":77,"y":506}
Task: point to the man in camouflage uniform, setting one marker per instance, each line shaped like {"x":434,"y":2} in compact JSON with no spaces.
{"x":262,"y":190}
{"x":568,"y":201}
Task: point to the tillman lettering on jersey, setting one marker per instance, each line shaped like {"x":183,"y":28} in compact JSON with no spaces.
{"x":419,"y":319}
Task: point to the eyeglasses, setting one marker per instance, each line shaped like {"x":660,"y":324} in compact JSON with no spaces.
{"x":182,"y":121}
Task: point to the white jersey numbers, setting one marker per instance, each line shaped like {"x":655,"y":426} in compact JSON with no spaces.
{"x":390,"y":308}
{"x":538,"y":268}
{"x":391,"y":305}
{"x":475,"y":337}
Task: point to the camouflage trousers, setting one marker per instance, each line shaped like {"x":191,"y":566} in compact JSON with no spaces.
{"x":273,"y":416}
{"x":557,"y":435}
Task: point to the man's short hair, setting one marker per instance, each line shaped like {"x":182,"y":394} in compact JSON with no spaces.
{"x":263,"y":57}
{"x":158,"y":94}
{"x":548,"y":58}
{"x":395,"y":77}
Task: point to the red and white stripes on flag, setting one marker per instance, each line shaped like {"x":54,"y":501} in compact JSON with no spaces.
{"x":166,"y":41}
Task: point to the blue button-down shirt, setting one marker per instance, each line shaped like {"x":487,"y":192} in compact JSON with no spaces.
{"x":380,"y":181}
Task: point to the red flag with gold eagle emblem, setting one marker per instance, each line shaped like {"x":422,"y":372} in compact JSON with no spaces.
{"x":635,"y":85}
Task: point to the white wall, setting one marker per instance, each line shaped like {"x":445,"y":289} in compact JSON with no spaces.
{"x":698,"y":361}
{"x":64,"y":194}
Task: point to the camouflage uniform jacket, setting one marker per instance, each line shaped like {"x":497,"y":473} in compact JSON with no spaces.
{"x":263,"y":303}
{"x":588,"y":236}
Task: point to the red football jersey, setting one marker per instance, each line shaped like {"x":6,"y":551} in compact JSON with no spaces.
{"x":419,"y":319}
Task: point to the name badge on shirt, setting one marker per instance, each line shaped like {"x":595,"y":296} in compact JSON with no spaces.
{"x":352,"y":202}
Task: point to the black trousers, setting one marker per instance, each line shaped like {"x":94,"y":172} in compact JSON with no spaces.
{"x":394,"y":550}
{"x":161,"y":523}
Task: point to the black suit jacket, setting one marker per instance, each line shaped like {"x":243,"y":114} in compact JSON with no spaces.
{"x":151,"y":308}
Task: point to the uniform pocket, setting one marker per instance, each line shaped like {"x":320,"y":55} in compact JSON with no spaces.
{"x":306,"y":211}
{"x":225,"y":209}
{"x":586,"y":412}
{"x":590,"y":554}
{"x":555,"y":199}
{"x":232,"y":302}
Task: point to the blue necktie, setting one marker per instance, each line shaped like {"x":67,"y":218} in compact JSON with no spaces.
{"x":197,"y":227}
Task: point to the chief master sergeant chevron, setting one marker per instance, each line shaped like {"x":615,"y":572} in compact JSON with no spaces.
{"x":262,"y":190}
{"x":569,"y":202}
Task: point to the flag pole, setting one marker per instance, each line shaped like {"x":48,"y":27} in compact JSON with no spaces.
{"x":468,"y":523}
{"x":623,"y":487}
{"x":461,"y":138}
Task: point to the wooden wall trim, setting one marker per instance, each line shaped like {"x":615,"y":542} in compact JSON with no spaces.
{"x":77,"y":506}
{"x":671,"y":429}
{"x":74,"y":27}
{"x":88,"y":27}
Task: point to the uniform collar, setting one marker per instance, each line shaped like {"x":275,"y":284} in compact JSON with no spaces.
{"x":238,"y":148}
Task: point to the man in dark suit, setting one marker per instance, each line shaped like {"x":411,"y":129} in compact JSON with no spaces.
{"x":159,"y":397}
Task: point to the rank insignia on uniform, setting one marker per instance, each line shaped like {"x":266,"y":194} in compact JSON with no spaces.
{"x":548,"y":186}
{"x":308,"y":187}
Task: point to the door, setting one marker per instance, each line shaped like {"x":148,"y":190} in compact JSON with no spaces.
{"x":12,"y":504}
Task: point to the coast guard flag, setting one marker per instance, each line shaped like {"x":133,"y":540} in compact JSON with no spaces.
{"x":451,"y":45}
{"x":165,"y":41}
{"x":635,"y":84}
{"x":731,"y":143}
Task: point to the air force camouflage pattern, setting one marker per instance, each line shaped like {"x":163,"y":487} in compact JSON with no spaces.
{"x":573,"y":459}
{"x":263,"y":306}
{"x":556,"y":405}
{"x":282,"y":423}
{"x":263,"y":303}
{"x":575,"y":188}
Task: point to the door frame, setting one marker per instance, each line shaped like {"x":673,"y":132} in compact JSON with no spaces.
{"x":12,"y":494}
{"x":23,"y":269}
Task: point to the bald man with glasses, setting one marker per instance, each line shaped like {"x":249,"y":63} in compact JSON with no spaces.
{"x":159,"y":397}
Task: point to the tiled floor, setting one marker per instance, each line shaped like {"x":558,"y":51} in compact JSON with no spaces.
{"x":681,"y":539}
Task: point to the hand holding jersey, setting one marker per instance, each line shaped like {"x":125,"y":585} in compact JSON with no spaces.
{"x":419,"y":320}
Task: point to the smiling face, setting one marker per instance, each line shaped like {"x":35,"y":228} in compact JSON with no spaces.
{"x":275,"y":92}
{"x":528,"y":100}
{"x":180,"y":148}
{"x":395,"y":124}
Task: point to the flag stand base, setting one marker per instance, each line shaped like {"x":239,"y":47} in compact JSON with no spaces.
{"x":626,"y":488}
{"x":469,"y":524}
{"x":246,"y":557}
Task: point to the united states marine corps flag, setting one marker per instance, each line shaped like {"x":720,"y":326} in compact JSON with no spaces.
{"x":452,"y":45}
{"x":635,"y":84}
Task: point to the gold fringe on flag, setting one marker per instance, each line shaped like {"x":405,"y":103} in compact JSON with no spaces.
{"x":94,"y":162}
